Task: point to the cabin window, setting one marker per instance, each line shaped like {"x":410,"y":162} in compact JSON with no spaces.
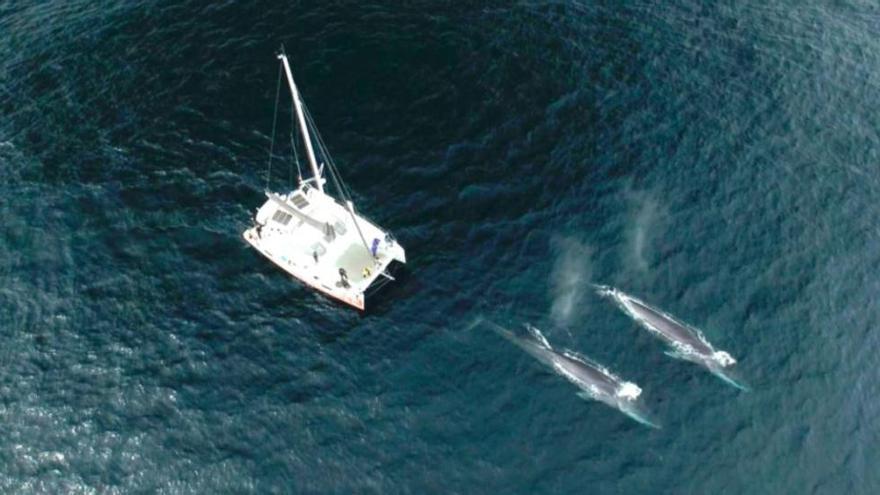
{"x":299,"y":201}
{"x":282,"y":217}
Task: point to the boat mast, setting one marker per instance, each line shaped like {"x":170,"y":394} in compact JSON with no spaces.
{"x":297,"y":104}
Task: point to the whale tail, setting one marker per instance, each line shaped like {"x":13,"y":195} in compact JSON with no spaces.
{"x":629,"y":403}
{"x":729,"y":376}
{"x":637,"y":412}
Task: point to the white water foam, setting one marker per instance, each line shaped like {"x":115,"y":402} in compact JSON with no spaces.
{"x":538,"y":336}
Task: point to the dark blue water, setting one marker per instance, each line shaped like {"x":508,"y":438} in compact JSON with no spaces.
{"x":718,"y":159}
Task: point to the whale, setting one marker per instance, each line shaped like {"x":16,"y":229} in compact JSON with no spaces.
{"x":687,"y":343}
{"x":595,"y":382}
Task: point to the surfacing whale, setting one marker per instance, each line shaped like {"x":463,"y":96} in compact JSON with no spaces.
{"x":687,"y":342}
{"x":595,"y":381}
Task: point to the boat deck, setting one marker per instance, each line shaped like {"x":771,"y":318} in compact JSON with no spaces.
{"x":313,"y":237}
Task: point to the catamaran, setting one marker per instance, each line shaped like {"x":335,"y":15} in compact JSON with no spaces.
{"x":319,"y":239}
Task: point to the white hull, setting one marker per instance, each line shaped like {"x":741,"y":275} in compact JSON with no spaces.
{"x":311,"y":236}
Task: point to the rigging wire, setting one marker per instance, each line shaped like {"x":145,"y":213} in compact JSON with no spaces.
{"x":334,"y":174}
{"x":274,"y":122}
{"x":293,"y":156}
{"x":322,"y":147}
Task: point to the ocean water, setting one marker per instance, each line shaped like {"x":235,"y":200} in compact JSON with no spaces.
{"x":718,"y":159}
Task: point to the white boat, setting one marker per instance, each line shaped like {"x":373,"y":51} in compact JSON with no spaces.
{"x":319,"y":239}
